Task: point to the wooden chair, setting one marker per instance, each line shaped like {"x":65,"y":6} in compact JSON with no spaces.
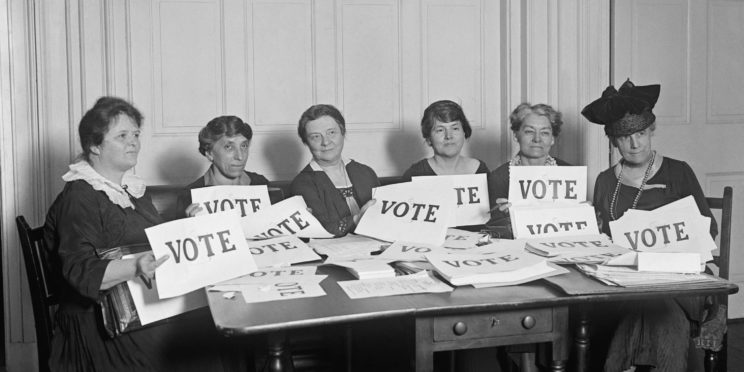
{"x":716,"y":361}
{"x":43,"y":298}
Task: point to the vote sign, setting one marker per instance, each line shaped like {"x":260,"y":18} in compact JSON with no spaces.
{"x":281,"y":251}
{"x":533,"y":185}
{"x":288,"y":217}
{"x":411,"y":211}
{"x":246,"y":199}
{"x":470,"y":192}
{"x":529,"y":222}
{"x":203,"y":250}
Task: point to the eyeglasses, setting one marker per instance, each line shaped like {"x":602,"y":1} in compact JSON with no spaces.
{"x":331,"y":134}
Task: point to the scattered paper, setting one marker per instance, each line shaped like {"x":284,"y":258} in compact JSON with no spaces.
{"x":268,"y":275}
{"x":281,"y":291}
{"x":568,"y":220}
{"x":404,"y":251}
{"x":420,"y":282}
{"x":367,"y":269}
{"x":461,"y":239}
{"x":281,"y":251}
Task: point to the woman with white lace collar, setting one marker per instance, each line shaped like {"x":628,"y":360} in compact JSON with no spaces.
{"x":103,"y":206}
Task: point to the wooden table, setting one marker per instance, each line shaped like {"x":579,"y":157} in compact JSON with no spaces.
{"x":463,"y":319}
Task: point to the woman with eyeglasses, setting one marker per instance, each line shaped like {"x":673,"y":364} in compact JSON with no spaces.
{"x":336,"y":190}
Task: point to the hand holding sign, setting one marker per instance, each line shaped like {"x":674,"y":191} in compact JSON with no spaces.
{"x":204,"y":249}
{"x":146,"y":264}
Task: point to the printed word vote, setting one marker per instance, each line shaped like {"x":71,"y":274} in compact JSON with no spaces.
{"x":649,"y":236}
{"x":540,"y":189}
{"x":289,"y":225}
{"x":481,"y":261}
{"x":214,"y":206}
{"x":539,"y":228}
{"x":272,"y":248}
{"x":189,"y":248}
{"x":403,"y":209}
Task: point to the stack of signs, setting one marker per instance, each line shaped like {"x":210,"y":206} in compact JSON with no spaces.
{"x":281,"y":283}
{"x":575,"y":249}
{"x":508,"y":267}
{"x":346,"y":248}
{"x":548,"y":202}
{"x":671,"y":238}
{"x":412,"y":212}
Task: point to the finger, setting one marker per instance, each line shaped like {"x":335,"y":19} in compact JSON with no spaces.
{"x":502,"y":200}
{"x":160,"y":261}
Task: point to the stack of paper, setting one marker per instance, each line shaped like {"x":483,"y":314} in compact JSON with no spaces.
{"x":548,"y":201}
{"x":349,"y":247}
{"x":630,"y":277}
{"x":508,"y":267}
{"x":408,"y":284}
{"x":596,"y":248}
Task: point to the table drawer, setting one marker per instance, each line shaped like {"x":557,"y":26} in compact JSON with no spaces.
{"x":481,"y":325}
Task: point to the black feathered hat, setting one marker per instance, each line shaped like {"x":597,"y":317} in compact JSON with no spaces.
{"x":624,"y":111}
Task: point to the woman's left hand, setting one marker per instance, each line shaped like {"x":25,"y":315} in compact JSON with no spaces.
{"x":366,"y":206}
{"x":146,"y":264}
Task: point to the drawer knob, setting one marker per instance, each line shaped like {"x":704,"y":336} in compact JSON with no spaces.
{"x":460,"y":328}
{"x":528,"y":322}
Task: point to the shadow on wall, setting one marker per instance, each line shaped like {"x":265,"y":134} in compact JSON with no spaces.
{"x":484,"y":148}
{"x":404,"y":149}
{"x":180,"y":167}
{"x":285,"y":156}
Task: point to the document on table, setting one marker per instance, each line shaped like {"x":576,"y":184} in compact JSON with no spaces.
{"x":286,"y":290}
{"x":420,"y":282}
{"x":349,"y":247}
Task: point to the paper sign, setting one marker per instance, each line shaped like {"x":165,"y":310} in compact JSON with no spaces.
{"x":411,"y":251}
{"x":554,"y":246}
{"x":150,"y":308}
{"x":282,"y":291}
{"x":470,"y":193}
{"x":464,"y":269}
{"x":267,"y":275}
{"x":281,"y":251}
{"x":676,"y":227}
{"x":420,"y":282}
{"x":413,"y":212}
{"x":203,"y":250}
{"x":246,"y":199}
{"x":288,"y":217}
{"x":535,"y":185}
{"x":530,"y":222}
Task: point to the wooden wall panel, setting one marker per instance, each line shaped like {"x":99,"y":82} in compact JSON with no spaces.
{"x":725,"y":74}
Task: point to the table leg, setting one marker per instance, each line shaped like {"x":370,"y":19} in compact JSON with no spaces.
{"x":582,"y":342}
{"x":279,"y":358}
{"x":423,"y":346}
{"x":558,"y":366}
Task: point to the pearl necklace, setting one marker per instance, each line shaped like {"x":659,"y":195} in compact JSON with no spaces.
{"x":613,"y":202}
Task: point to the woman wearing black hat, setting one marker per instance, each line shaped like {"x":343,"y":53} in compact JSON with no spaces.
{"x":654,"y":335}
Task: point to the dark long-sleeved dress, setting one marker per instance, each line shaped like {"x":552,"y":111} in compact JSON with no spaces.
{"x":423,"y":168}
{"x":655,"y":333}
{"x":80,"y":221}
{"x":326,"y":201}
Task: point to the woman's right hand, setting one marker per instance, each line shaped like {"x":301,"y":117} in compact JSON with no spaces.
{"x":193,"y":209}
{"x":503,"y":205}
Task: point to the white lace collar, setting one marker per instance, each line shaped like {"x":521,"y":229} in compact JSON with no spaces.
{"x":119,"y":195}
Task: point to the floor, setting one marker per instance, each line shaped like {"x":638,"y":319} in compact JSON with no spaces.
{"x":736,"y":345}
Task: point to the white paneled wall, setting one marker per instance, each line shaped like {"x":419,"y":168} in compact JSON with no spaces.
{"x":183,"y":62}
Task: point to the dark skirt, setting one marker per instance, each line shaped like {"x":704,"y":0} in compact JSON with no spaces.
{"x":188,"y":342}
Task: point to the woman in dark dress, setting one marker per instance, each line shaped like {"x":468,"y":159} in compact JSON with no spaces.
{"x":650,"y":335}
{"x":535,"y":128}
{"x":224,"y":141}
{"x":103,"y":206}
{"x":336,"y":190}
{"x":445,"y":129}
